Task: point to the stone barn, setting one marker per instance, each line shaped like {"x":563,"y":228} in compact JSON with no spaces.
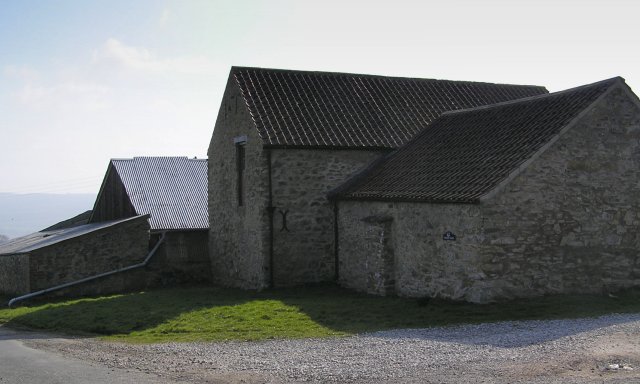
{"x":517,"y":199}
{"x":283,"y":139}
{"x":173,"y":192}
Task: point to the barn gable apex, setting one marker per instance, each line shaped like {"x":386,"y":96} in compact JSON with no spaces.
{"x":173,"y":190}
{"x":467,"y":156}
{"x":616,"y":83}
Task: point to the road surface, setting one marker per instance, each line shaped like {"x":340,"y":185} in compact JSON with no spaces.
{"x":21,"y":364}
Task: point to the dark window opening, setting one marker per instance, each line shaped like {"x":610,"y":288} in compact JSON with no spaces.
{"x":240,"y":171}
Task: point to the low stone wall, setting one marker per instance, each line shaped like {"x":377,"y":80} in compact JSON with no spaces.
{"x":90,"y":254}
{"x":14,"y":274}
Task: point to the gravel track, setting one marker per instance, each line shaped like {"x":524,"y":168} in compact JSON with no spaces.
{"x":561,"y":351}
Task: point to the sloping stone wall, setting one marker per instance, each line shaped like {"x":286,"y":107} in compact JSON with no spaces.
{"x":569,"y":223}
{"x":181,"y":260}
{"x":238,"y":235}
{"x":304,"y":218}
{"x":90,"y":254}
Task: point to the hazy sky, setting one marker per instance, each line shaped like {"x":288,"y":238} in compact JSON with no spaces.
{"x":85,"y":81}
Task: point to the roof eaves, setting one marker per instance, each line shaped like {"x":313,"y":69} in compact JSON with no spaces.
{"x":342,"y":191}
{"x":404,"y":199}
{"x":328,"y":147}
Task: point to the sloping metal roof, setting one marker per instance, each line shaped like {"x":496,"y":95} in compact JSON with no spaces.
{"x":80,"y":219}
{"x":173,"y":190}
{"x":465,"y":154}
{"x":323,"y":109}
{"x":46,"y":238}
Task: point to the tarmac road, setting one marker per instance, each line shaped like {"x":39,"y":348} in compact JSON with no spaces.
{"x":21,"y":364}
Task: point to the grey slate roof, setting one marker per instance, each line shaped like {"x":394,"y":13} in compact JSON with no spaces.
{"x":46,"y":238}
{"x":322,"y":109}
{"x":173,"y":190}
{"x":465,"y":154}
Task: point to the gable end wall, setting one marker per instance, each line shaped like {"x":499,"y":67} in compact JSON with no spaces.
{"x":576,"y":208}
{"x":238,"y":235}
{"x":113,"y":202}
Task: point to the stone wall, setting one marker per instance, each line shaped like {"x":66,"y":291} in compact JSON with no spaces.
{"x":99,"y":251}
{"x":569,"y":223}
{"x":238,"y":235}
{"x":182,"y":259}
{"x":14,"y":274}
{"x":407,"y":238}
{"x":240,"y":238}
{"x":304,"y":247}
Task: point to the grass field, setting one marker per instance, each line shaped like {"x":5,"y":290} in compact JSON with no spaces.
{"x":215,"y":314}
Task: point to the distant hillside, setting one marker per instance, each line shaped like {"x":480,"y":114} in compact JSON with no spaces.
{"x":24,"y":214}
{"x":3,"y":239}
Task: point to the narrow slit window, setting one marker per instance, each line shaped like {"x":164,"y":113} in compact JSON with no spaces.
{"x":240,"y":172}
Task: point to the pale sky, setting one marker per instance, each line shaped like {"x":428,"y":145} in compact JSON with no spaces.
{"x":85,"y":81}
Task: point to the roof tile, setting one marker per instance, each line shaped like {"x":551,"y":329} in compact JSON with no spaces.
{"x":464,"y":154}
{"x":322,"y":109}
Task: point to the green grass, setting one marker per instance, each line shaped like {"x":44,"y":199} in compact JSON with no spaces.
{"x":215,"y":314}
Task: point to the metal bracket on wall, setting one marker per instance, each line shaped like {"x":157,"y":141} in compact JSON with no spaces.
{"x":284,"y":220}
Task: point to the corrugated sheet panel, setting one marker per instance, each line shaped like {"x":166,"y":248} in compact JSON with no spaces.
{"x":321,"y":109}
{"x":464,"y":155}
{"x":173,"y":190}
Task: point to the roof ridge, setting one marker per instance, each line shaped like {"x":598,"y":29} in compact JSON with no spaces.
{"x":369,"y":75}
{"x":329,"y":110}
{"x":613,"y":81}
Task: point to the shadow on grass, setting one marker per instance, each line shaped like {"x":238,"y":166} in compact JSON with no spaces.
{"x":122,"y":314}
{"x":356,"y":313}
{"x":187,"y":314}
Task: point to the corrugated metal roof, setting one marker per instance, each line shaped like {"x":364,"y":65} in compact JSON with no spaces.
{"x":324,"y":109}
{"x":43,"y":239}
{"x":173,"y":190}
{"x":463,"y":155}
